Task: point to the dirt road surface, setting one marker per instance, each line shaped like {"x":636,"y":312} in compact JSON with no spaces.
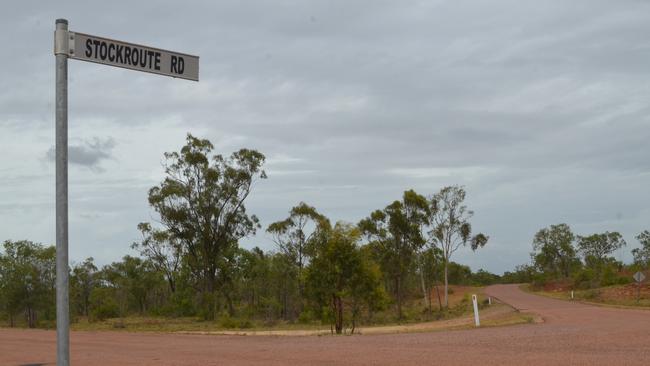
{"x":572,"y":334}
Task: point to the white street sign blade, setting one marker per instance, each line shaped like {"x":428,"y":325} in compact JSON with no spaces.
{"x":133,"y":56}
{"x":639,"y":277}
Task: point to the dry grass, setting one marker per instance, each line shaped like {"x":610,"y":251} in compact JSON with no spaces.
{"x":458,"y":317}
{"x":495,"y":316}
{"x":617,"y":296}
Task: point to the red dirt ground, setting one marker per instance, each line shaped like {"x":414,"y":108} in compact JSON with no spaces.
{"x":573,"y":334}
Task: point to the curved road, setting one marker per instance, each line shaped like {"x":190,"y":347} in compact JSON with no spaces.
{"x":572,"y":334}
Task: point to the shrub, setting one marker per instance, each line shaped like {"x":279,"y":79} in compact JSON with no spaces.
{"x":103,"y":304}
{"x":226,"y":321}
{"x":591,"y":294}
{"x":584,"y":279}
{"x":306,"y":317}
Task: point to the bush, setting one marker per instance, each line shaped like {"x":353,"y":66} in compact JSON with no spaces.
{"x":623,"y":280}
{"x":228,"y":322}
{"x":225,"y":321}
{"x":180,"y":305}
{"x":306,"y":317}
{"x":591,"y":294}
{"x":103,"y":304}
{"x":584,"y":279}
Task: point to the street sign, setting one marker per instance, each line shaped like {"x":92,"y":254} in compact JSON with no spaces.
{"x":105,"y":51}
{"x":639,"y":277}
{"x":132,"y":56}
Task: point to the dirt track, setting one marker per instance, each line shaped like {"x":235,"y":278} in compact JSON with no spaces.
{"x":573,"y":334}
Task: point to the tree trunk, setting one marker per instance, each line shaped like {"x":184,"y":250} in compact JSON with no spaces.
{"x":31,"y":317}
{"x":427,"y":297}
{"x":86,"y":305}
{"x":439,"y":301}
{"x":429,"y":300}
{"x":339,"y":314}
{"x":446,"y":284}
{"x":209,"y":298}
{"x":399,"y":297}
{"x":231,"y":307}
{"x":172,"y":285}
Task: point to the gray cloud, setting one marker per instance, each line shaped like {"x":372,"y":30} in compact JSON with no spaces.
{"x":539,"y":107}
{"x":88,"y":153}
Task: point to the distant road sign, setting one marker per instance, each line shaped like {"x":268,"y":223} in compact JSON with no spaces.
{"x":133,"y":56}
{"x":639,"y":277}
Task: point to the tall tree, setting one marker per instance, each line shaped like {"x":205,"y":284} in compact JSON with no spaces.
{"x":293,"y":236}
{"x":339,"y":274}
{"x":82,"y":282}
{"x":396,"y":233}
{"x":430,"y":271}
{"x":553,"y":250}
{"x":450,"y":227}
{"x":642,"y":255}
{"x":201,"y":204}
{"x":27,"y":281}
{"x":596,"y":247}
{"x":163,"y":250}
{"x":136,"y":281}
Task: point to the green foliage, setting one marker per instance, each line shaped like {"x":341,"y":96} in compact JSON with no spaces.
{"x":135,"y":281}
{"x":522,"y":274}
{"x":642,"y":255}
{"x":584,"y":279}
{"x":163,"y":251}
{"x":201,"y":204}
{"x":294,"y":237}
{"x":450,"y":227}
{"x":341,"y":279}
{"x":103,"y":304}
{"x":82,"y":281}
{"x":553,"y":251}
{"x":27,"y":281}
{"x":596,"y":247}
{"x":396,"y":236}
{"x":484,"y":278}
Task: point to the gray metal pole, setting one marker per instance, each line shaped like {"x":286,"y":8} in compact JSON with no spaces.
{"x":62,"y":297}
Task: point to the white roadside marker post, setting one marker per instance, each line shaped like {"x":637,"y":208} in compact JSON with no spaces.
{"x":477,"y":322}
{"x":571,"y":294}
{"x":489,"y":300}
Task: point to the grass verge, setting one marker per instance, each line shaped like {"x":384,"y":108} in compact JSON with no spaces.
{"x":459,"y":316}
{"x":618,"y":296}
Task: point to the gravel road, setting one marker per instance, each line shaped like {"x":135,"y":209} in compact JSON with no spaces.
{"x":572,"y":334}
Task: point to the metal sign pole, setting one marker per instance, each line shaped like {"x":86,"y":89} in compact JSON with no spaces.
{"x":61,"y":136}
{"x":106,"y":51}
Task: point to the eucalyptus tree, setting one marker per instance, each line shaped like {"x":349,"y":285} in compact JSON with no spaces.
{"x":293,"y":237}
{"x":642,"y":255}
{"x":163,"y":250}
{"x":200,"y":203}
{"x":450,"y":228}
{"x":340,"y":278}
{"x":396,"y":234}
{"x":135,"y":281}
{"x":27,"y":281}
{"x":430,"y":269}
{"x":596,"y":247}
{"x":82,"y":281}
{"x":553,"y":250}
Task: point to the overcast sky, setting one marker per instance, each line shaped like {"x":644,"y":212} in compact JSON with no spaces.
{"x":539,"y":108}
